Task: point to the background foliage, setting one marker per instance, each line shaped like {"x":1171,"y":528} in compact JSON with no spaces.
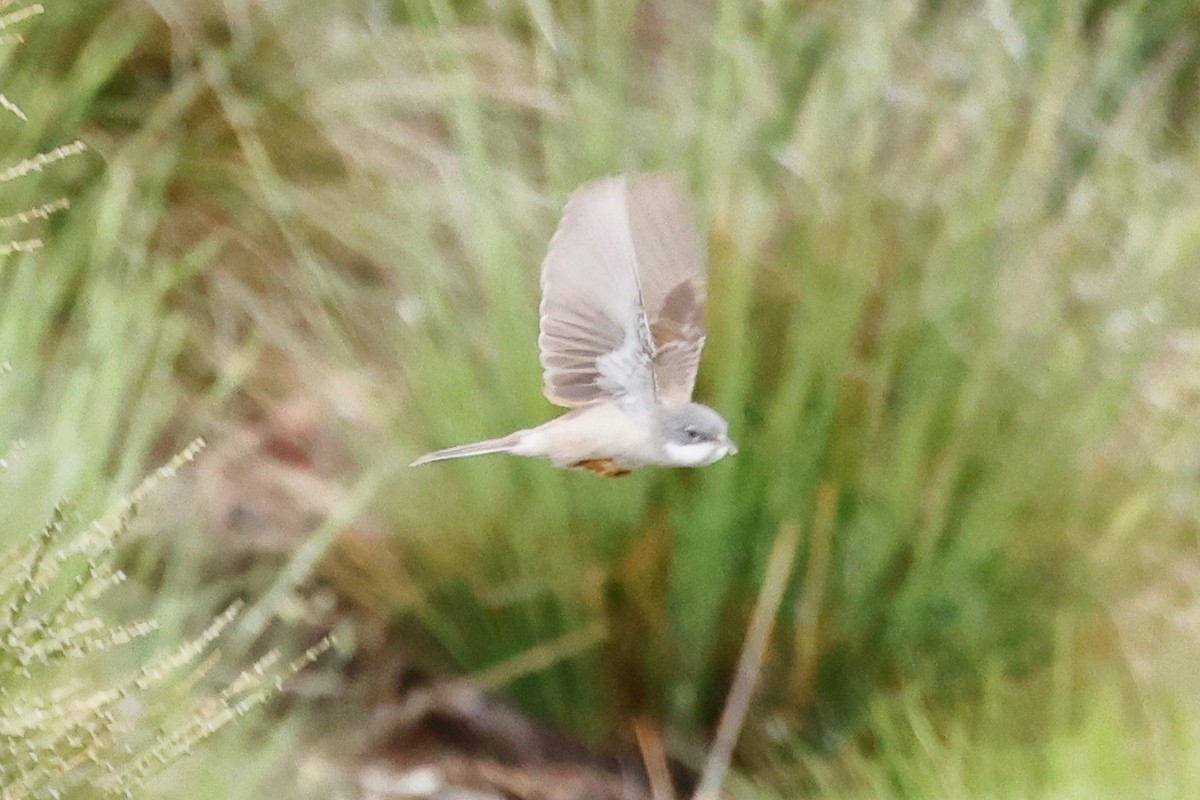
{"x":952,"y":265}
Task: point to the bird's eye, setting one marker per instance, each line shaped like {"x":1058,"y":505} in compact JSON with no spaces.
{"x":691,"y":433}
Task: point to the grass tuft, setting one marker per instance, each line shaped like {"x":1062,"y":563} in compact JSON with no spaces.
{"x":66,"y":719}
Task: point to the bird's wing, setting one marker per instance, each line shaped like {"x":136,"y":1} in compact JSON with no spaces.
{"x":623,"y":294}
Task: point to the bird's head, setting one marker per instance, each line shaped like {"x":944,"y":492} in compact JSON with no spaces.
{"x":695,"y":436}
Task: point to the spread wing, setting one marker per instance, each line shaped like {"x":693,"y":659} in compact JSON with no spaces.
{"x":623,"y":294}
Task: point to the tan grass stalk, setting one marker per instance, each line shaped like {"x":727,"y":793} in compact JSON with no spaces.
{"x":758,"y":635}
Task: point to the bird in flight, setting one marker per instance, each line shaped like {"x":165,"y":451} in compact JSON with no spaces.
{"x":622,"y":327}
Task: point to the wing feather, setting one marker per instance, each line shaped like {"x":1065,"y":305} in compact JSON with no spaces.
{"x":623,"y":294}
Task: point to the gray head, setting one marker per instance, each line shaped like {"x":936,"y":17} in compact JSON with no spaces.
{"x":694,"y":436}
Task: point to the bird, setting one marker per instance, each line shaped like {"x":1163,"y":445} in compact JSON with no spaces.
{"x":620,"y":335}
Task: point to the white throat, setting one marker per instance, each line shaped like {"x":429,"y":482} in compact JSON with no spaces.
{"x":700,"y":454}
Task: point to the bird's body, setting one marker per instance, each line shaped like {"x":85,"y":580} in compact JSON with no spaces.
{"x":622,"y":327}
{"x":632,"y":438}
{"x":571,"y":441}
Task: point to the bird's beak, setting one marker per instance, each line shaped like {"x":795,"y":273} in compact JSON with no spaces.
{"x":729,"y":445}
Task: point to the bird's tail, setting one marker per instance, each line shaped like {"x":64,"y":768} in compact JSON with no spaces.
{"x":502,"y":445}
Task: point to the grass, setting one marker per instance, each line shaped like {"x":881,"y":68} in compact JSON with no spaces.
{"x":88,"y":704}
{"x":950,"y":245}
{"x":104,"y":683}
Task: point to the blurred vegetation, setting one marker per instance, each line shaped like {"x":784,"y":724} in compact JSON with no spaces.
{"x":103,"y":685}
{"x":952,"y":323}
